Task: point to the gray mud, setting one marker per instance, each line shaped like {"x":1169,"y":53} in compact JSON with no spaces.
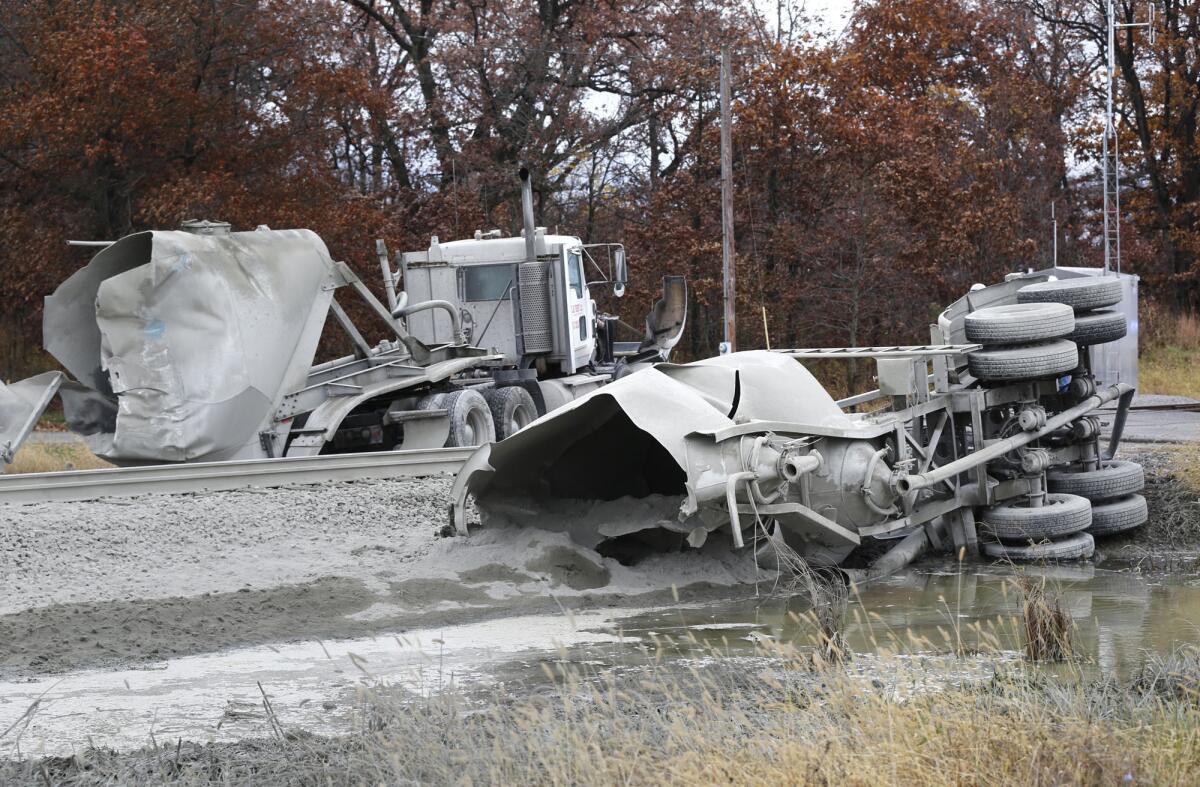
{"x":119,"y":583}
{"x":125,"y":582}
{"x":114,"y":634}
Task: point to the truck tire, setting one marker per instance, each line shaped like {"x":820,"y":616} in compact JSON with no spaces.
{"x":470,"y":419}
{"x":431,"y":402}
{"x":1061,"y":515}
{"x":1115,"y":478}
{"x":1081,"y":294}
{"x":1099,"y":327}
{"x":1024,"y":361}
{"x":512,"y":409}
{"x":1020,"y":323}
{"x":1117,"y":516}
{"x":1080,"y":546}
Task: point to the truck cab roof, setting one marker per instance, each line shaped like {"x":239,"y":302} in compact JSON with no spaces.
{"x":484,"y":250}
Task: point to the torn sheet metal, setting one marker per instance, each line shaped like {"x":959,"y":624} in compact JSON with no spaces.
{"x":21,"y":405}
{"x":184,"y":344}
{"x":650,"y":437}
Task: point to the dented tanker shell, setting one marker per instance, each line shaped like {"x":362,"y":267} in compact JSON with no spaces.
{"x":192,"y":340}
{"x":640,"y":436}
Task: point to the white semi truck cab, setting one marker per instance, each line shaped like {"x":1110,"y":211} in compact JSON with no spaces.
{"x":537,"y":313}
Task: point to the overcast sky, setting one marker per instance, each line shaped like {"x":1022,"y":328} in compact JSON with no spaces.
{"x":833,"y":11}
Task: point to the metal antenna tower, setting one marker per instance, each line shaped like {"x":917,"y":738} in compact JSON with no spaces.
{"x":1110,"y":160}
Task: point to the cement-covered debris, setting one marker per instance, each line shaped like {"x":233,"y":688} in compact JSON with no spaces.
{"x":183,"y":344}
{"x":655,"y":456}
{"x":752,"y":445}
{"x":21,"y":404}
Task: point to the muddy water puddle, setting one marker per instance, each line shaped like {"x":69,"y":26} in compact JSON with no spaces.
{"x":947,"y":624}
{"x":1120,"y":616}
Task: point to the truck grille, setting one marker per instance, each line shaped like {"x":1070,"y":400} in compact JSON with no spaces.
{"x":533,"y":281}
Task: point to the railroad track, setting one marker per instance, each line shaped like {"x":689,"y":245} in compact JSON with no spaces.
{"x":1180,"y":407}
{"x":1183,"y":407}
{"x":75,"y":485}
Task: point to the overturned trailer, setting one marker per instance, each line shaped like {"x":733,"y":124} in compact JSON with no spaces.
{"x":198,"y":344}
{"x":990,"y":441}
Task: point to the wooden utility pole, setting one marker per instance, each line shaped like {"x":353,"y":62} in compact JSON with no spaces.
{"x":727,"y":253}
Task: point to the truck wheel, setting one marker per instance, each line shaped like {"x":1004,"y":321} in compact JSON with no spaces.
{"x":431,"y":402}
{"x":512,"y":409}
{"x":1119,"y":515}
{"x":1082,"y":294}
{"x":470,"y":419}
{"x":1061,"y":515}
{"x":1080,"y":546}
{"x":1099,"y":327}
{"x":1019,"y":323}
{"x":1024,"y":361}
{"x":1116,"y":478}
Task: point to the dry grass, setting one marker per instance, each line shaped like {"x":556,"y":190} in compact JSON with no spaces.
{"x":49,"y":457}
{"x":1170,"y":370}
{"x":1185,"y":462}
{"x":1048,"y":629}
{"x":732,"y":721}
{"x":1173,"y":495}
{"x":1170,"y":354}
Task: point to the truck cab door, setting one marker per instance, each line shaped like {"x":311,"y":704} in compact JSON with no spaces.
{"x":579,"y":341}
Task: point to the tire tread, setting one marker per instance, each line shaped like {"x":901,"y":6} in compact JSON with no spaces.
{"x":1118,"y":516}
{"x":1115,"y":478}
{"x":1024,"y":362}
{"x":1062,"y":515}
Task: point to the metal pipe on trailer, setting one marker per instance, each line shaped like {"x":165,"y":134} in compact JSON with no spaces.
{"x":446,"y":306}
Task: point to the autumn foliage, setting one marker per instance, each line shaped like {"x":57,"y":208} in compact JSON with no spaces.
{"x":880,"y":170}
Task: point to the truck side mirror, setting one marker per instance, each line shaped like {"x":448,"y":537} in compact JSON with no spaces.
{"x":620,"y":274}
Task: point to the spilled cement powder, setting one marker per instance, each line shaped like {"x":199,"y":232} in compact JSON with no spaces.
{"x":588,"y":522}
{"x":117,"y":582}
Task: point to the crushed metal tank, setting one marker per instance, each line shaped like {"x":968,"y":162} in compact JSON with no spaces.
{"x":184,"y":342}
{"x":665,"y":457}
{"x":976,"y":456}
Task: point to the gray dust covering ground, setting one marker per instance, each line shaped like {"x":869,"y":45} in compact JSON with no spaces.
{"x":124,"y":582}
{"x":118,"y":582}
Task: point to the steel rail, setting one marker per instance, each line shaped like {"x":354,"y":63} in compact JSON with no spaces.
{"x":76,"y":485}
{"x":1182,"y":407}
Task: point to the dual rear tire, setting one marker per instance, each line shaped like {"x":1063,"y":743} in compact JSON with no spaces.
{"x":1088,"y":296}
{"x":512,"y":409}
{"x":1040,"y":335}
{"x":483,"y":417}
{"x":1055,"y":530}
{"x":1113,"y":489}
{"x":469,"y":416}
{"x":1022,"y":341}
{"x":1080,"y":506}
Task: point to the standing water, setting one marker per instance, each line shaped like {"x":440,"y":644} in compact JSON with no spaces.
{"x":954,"y":622}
